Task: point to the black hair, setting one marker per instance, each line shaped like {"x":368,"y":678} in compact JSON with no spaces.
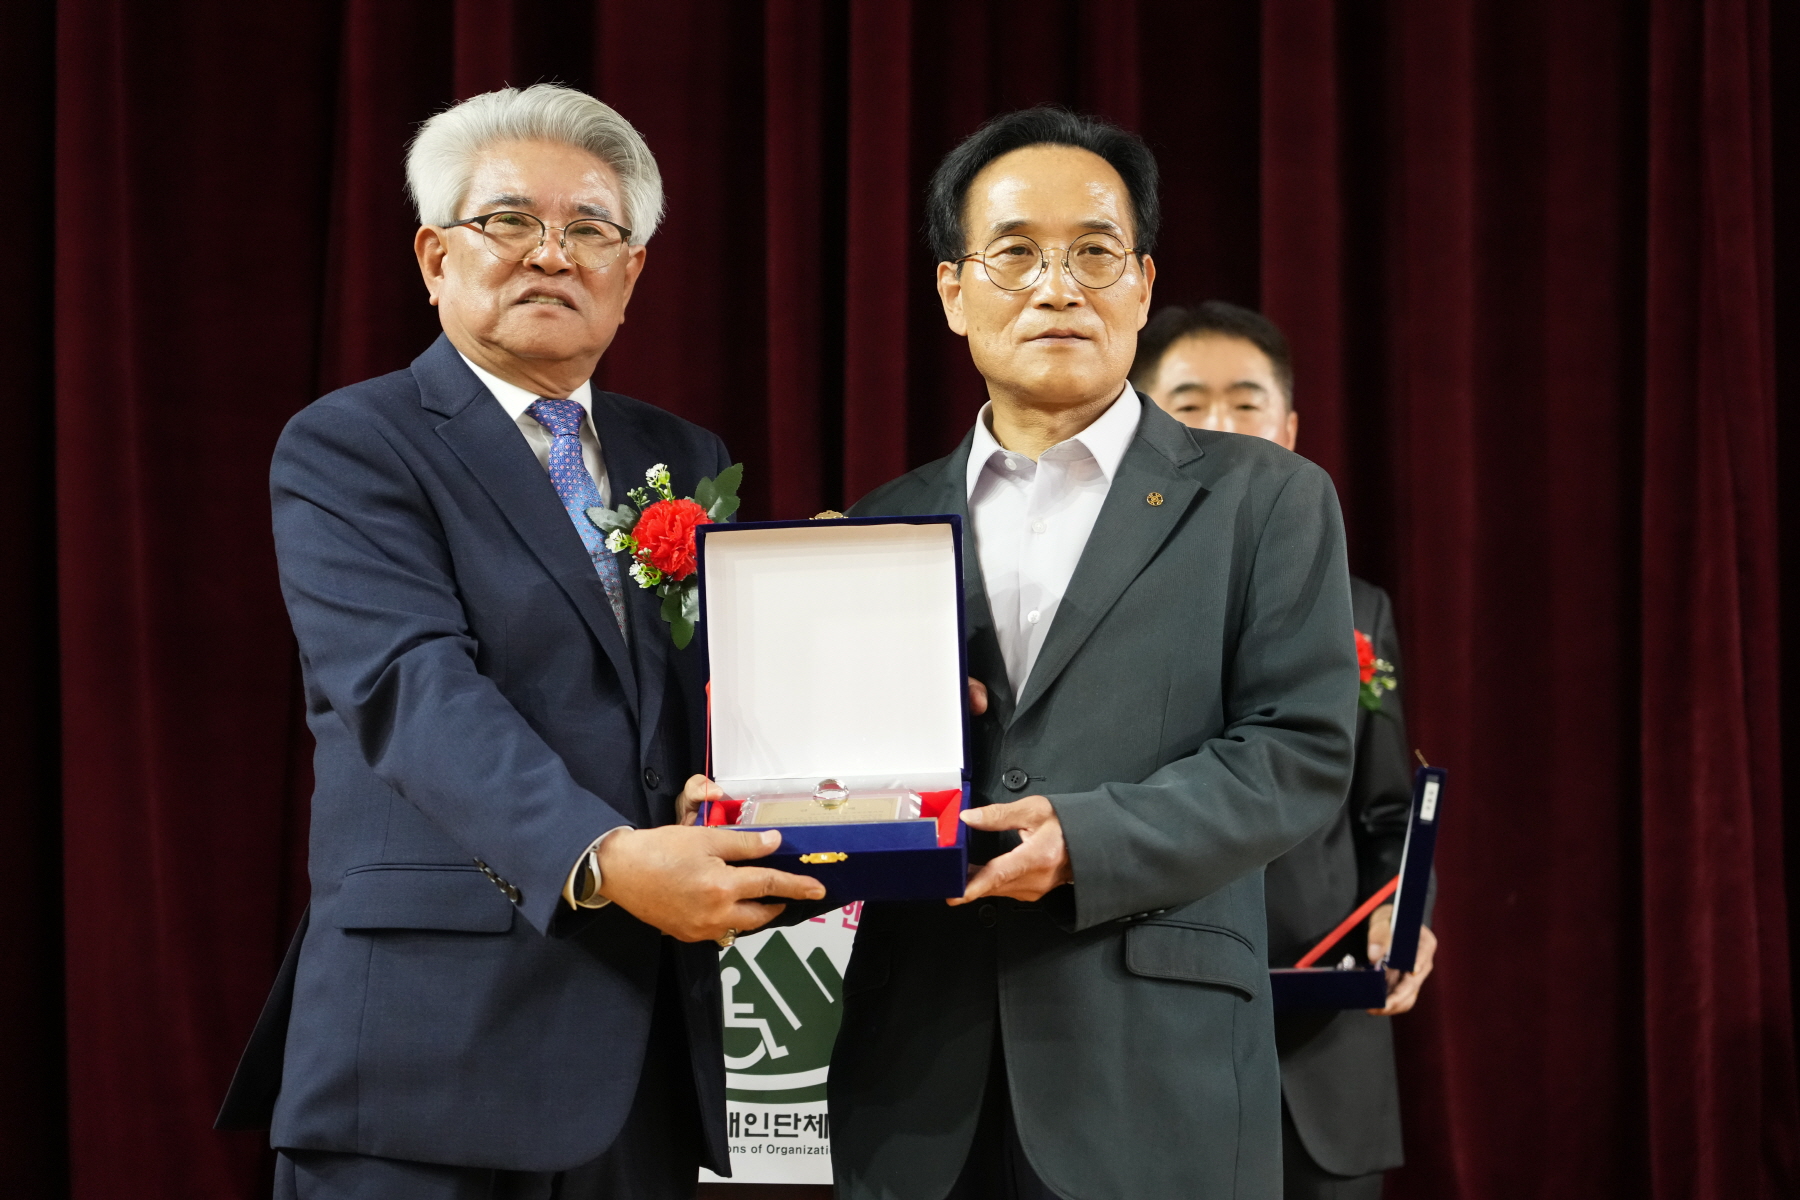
{"x":1046,"y":125}
{"x":1215,"y":318}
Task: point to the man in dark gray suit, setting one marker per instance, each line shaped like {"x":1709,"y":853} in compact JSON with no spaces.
{"x":498,"y":992}
{"x":1218,"y":366}
{"x":1158,"y":620}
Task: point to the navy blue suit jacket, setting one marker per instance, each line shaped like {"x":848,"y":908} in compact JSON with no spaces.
{"x":479,"y":721}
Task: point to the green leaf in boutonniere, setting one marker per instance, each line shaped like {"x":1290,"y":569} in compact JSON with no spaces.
{"x":719,"y":496}
{"x":681,"y":609}
{"x":608,"y":519}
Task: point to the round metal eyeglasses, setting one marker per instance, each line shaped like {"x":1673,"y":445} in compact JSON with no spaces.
{"x":1013,"y":262}
{"x":516,"y":236}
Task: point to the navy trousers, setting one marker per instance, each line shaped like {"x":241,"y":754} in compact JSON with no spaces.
{"x":655,"y":1157}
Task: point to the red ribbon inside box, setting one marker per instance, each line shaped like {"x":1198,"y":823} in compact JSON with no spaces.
{"x":944,"y":807}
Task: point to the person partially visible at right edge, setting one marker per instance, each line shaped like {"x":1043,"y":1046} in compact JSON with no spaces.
{"x":1165,"y":701}
{"x":1221,"y":367}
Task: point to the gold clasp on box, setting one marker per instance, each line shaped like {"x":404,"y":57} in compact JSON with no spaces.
{"x":827,"y":856}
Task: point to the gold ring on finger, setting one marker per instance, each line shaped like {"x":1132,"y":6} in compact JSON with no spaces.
{"x":731,"y":935}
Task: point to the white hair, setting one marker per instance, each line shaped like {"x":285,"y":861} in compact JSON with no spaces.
{"x":441,"y":160}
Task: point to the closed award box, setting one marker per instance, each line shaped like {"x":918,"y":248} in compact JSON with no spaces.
{"x":837,"y":696}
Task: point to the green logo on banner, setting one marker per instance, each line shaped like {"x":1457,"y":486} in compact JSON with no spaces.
{"x":781,"y":1017}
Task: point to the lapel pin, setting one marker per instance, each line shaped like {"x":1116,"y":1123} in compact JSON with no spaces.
{"x":1153,"y":499}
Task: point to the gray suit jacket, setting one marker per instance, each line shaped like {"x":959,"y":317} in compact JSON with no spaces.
{"x":1337,"y":1068}
{"x":1190,"y":717}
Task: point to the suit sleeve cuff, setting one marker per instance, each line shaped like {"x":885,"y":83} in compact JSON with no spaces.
{"x":582,"y":888}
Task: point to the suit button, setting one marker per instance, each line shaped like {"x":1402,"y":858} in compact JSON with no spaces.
{"x":1015,"y":779}
{"x":651,"y":779}
{"x":988,"y":915}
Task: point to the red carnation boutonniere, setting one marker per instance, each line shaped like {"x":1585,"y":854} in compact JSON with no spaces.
{"x":1377,"y":673}
{"x":659,"y":535}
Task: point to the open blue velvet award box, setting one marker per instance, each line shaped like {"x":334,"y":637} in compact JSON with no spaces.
{"x":837,"y":671}
{"x":1363,"y":985}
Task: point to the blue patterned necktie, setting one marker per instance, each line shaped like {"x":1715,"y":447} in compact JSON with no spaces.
{"x":579,"y":492}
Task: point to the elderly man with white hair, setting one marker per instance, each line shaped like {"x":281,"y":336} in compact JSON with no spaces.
{"x":506,"y":985}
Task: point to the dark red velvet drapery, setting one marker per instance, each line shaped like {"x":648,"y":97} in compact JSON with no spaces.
{"x":1527,"y":253}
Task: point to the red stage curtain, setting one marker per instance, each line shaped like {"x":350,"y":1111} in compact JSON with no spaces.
{"x":1525,"y":253}
{"x":1720,"y":1049}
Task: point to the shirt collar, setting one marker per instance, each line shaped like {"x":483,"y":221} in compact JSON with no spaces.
{"x":515,"y":400}
{"x":1106,"y":439}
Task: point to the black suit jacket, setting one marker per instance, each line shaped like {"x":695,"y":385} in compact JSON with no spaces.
{"x":479,"y":720}
{"x":1337,"y":1069}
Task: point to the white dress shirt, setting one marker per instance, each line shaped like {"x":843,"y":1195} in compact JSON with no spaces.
{"x":515,"y":400}
{"x":1031,"y":521}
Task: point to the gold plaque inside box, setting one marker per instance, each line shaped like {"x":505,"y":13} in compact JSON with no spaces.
{"x":835,"y":805}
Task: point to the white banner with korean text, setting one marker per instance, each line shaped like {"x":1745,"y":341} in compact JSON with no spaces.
{"x":783,"y":993}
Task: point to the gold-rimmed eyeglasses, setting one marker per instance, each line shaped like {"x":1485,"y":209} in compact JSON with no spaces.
{"x":1013,"y":262}
{"x":516,"y":236}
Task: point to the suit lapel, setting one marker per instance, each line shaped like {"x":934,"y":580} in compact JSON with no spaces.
{"x":951,"y":495}
{"x":628,"y":457}
{"x":1126,"y":536}
{"x":480,"y":433}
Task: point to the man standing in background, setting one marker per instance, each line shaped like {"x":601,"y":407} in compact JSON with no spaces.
{"x":1218,"y":366}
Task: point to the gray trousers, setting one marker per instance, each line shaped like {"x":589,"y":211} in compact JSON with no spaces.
{"x":997,"y":1168}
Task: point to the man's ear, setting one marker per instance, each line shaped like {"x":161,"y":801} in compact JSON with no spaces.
{"x":1149,"y":269}
{"x":634,"y":266}
{"x":949,"y":287}
{"x":429,"y":249}
{"x":1293,"y":429}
